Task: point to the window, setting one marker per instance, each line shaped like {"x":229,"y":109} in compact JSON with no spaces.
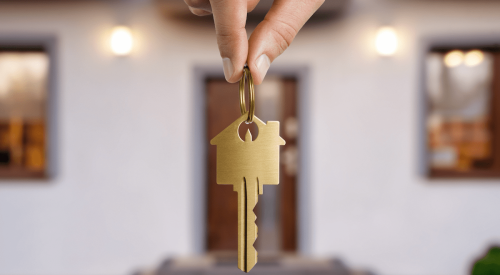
{"x":23,"y":92}
{"x":463,"y":122}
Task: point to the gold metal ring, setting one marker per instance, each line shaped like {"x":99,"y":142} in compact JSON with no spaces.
{"x":243,"y":107}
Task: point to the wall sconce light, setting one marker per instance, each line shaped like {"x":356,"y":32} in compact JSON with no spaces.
{"x":473,"y":58}
{"x":122,"y":40}
{"x":386,"y":41}
{"x":470,"y":59}
{"x":453,"y":59}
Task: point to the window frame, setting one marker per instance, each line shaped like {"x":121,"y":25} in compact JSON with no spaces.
{"x":48,"y":44}
{"x":441,"y":45}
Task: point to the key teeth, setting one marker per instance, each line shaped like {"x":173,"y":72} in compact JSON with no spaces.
{"x":256,"y":231}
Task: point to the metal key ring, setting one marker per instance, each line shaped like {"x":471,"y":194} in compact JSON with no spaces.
{"x":243,"y":108}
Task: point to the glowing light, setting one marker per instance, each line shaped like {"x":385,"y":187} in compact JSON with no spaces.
{"x":473,"y":58}
{"x":386,"y":41}
{"x":121,"y":40}
{"x":454,"y":58}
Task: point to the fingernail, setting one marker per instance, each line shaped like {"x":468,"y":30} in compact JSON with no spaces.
{"x":263,"y":63}
{"x":228,"y":68}
{"x":199,"y":12}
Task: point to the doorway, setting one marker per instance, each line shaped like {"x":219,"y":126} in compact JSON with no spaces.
{"x":276,"y":99}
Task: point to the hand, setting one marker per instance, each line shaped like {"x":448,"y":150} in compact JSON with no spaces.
{"x":269,"y":39}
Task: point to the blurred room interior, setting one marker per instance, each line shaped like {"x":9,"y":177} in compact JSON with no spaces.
{"x":390,"y":110}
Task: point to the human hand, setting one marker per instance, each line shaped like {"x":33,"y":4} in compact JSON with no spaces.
{"x":269,"y":39}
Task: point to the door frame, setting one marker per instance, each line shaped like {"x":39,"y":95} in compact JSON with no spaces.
{"x":200,"y":149}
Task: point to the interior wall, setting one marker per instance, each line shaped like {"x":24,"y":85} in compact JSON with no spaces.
{"x":122,"y":195}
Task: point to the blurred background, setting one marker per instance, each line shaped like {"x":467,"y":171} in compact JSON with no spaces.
{"x":390,"y":110}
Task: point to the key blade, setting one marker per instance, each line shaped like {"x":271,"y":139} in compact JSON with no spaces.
{"x":247,"y":229}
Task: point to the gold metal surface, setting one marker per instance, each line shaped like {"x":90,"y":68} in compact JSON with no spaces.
{"x":248,"y":165}
{"x":251,"y":91}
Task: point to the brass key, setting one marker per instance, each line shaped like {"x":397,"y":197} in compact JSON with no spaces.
{"x":248,"y":165}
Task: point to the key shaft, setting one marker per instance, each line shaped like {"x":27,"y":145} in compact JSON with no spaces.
{"x":248,"y":191}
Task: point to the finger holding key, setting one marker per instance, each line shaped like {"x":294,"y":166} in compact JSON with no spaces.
{"x":230,"y":19}
{"x":273,"y":35}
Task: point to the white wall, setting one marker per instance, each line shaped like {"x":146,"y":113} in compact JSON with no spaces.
{"x":122,"y":198}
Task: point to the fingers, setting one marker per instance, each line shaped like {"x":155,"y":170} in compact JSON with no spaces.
{"x":273,"y":35}
{"x":269,"y":40}
{"x":230,"y":19}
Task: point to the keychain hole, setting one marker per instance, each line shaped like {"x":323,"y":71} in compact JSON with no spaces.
{"x":244,"y":127}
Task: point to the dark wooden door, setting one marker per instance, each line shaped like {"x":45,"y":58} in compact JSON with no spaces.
{"x":222,"y":110}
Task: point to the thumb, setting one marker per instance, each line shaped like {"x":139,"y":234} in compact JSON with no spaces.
{"x":276,"y":32}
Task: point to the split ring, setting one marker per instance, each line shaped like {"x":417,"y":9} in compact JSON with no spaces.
{"x":243,"y":108}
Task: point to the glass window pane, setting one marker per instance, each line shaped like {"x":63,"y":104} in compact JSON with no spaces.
{"x":23,"y":92}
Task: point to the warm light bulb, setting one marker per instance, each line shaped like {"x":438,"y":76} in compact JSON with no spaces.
{"x":121,"y":40}
{"x":386,"y":41}
{"x":453,"y":58}
{"x":473,"y":58}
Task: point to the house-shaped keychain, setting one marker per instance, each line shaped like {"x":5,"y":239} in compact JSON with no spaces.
{"x":238,"y":159}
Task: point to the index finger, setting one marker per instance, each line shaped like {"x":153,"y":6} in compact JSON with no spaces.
{"x":230,"y":19}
